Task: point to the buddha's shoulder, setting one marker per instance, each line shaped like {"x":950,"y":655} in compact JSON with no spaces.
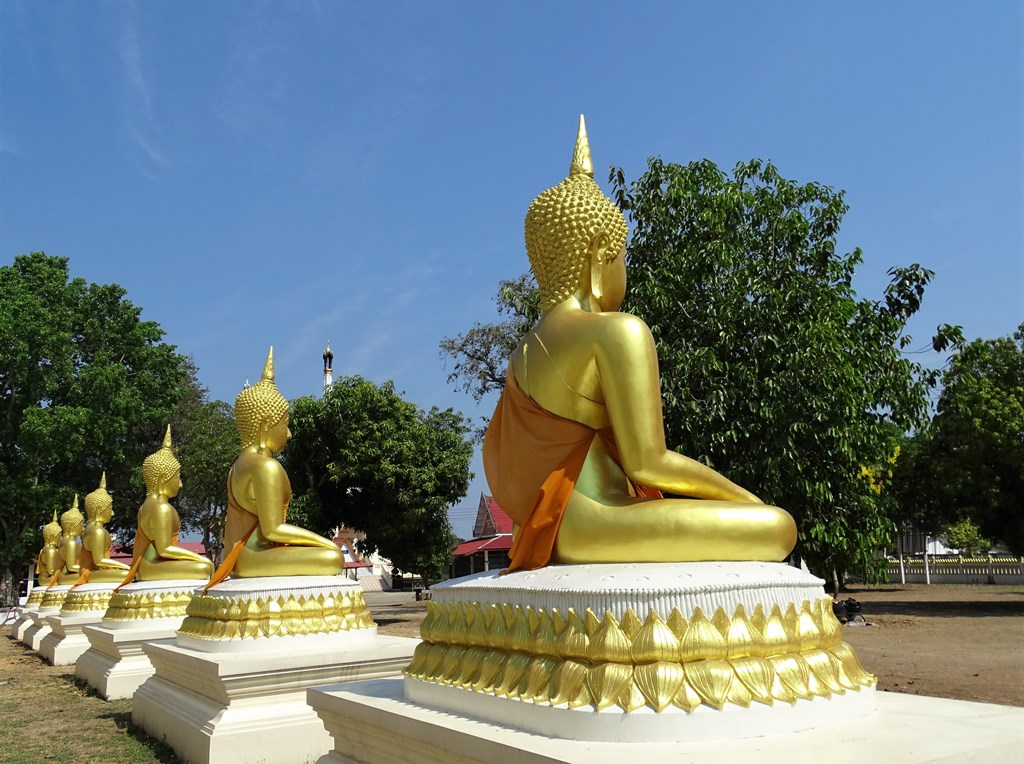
{"x":255,"y":464}
{"x":618,"y":326}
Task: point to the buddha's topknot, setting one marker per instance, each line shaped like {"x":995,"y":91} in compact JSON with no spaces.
{"x":98,"y":500}
{"x":259,"y":405}
{"x":52,"y":531}
{"x":72,"y":518}
{"x":160,"y":466}
{"x":562,"y":222}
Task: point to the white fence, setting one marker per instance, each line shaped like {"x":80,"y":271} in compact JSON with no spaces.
{"x":948,"y":569}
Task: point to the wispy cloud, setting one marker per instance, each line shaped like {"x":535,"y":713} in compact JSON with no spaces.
{"x":142,"y":125}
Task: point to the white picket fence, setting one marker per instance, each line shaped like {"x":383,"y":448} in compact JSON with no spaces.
{"x":949,"y":569}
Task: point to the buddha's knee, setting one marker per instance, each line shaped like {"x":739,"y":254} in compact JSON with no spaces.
{"x":779,"y":530}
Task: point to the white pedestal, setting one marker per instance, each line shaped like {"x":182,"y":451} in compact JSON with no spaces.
{"x":23,"y":622}
{"x":66,"y":640}
{"x":372,"y":723}
{"x":39,"y":628}
{"x":251,"y":706}
{"x":232,"y":686}
{"x":115,"y":665}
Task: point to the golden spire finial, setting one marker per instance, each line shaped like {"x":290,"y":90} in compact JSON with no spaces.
{"x":74,"y":504}
{"x":103,"y":480}
{"x":54,"y":516}
{"x":98,"y":500}
{"x":581,"y":161}
{"x":167,"y":437}
{"x":268,"y":367}
{"x":70,"y":519}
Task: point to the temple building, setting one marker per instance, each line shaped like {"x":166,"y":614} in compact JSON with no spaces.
{"x":492,"y":538}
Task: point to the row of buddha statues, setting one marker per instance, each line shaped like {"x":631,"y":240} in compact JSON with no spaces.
{"x":575,"y":452}
{"x":77,"y":549}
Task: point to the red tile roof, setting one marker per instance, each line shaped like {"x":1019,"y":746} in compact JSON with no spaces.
{"x":502,"y":522}
{"x":493,"y":544}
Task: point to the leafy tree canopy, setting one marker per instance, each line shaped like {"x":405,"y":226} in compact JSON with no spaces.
{"x":969,"y":462}
{"x":85,"y":386}
{"x":774,"y":372}
{"x":364,"y":457}
{"x":206,"y":443}
{"x":480,"y":355}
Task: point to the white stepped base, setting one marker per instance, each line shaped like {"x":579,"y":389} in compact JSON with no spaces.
{"x":39,"y":629}
{"x":115,"y":665}
{"x":372,"y":723}
{"x":23,"y":622}
{"x":250,"y":706}
{"x":67,"y":641}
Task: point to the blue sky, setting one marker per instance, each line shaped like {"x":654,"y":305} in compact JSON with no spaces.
{"x":277,"y":173}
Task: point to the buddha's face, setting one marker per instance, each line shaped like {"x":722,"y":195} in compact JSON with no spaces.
{"x":106,"y":513}
{"x":172,"y":485}
{"x":76,"y":529}
{"x":277,"y":435}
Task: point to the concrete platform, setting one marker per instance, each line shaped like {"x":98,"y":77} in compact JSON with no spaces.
{"x":115,"y":664}
{"x":66,"y":640}
{"x":23,"y":622}
{"x":250,"y":706}
{"x":372,"y":723}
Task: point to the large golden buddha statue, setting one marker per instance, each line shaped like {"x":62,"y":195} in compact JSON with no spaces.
{"x":71,"y":523}
{"x":576,"y":452}
{"x":155,"y":554}
{"x":261,"y":542}
{"x":49,"y":561}
{"x":94,"y":563}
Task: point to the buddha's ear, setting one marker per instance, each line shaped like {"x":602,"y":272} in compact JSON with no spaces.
{"x":595,"y":258}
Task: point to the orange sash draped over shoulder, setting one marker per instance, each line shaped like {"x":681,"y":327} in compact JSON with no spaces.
{"x":238,"y":527}
{"x":532,"y":459}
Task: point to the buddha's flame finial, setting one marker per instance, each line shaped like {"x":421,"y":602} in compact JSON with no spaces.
{"x":167,"y":437}
{"x":581,"y":162}
{"x":103,"y":481}
{"x":268,"y":367}
{"x":54,"y":516}
{"x":74,"y":504}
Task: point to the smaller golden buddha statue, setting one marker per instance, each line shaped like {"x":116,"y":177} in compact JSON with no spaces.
{"x":49,"y":561}
{"x":261,"y":542}
{"x":156,"y":554}
{"x":575,"y":452}
{"x":94,"y":563}
{"x":72,"y":524}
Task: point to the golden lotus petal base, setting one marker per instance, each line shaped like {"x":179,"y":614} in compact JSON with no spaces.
{"x":597,"y":660}
{"x":82,"y":601}
{"x":254,"y":617}
{"x":54,"y":598}
{"x":144,"y":606}
{"x":35,"y":597}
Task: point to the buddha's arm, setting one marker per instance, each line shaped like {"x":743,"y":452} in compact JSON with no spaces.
{"x":161,"y":526}
{"x":272,"y":492}
{"x":69,"y":555}
{"x":98,"y":543}
{"x":628,"y":364}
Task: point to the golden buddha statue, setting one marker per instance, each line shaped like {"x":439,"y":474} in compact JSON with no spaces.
{"x":94,"y":563}
{"x":575,"y":452}
{"x":49,"y":561}
{"x":71,"y":524}
{"x":261,"y":542}
{"x":156,"y":555}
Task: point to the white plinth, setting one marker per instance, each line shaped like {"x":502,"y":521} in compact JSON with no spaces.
{"x":39,"y":628}
{"x":23,"y":622}
{"x":250,"y":706}
{"x":66,"y":640}
{"x":115,"y":665}
{"x":372,"y":723}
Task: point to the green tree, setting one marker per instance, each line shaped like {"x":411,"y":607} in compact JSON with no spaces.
{"x":85,"y":385}
{"x":969,"y":462}
{"x":480,"y":355}
{"x":965,"y":537}
{"x":364,"y":457}
{"x":774,"y":372}
{"x":206,"y":444}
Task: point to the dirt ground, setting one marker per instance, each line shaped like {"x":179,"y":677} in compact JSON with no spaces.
{"x":951,"y":641}
{"x":962,"y":642}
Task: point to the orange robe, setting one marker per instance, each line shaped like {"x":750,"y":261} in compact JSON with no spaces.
{"x":532,"y":459}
